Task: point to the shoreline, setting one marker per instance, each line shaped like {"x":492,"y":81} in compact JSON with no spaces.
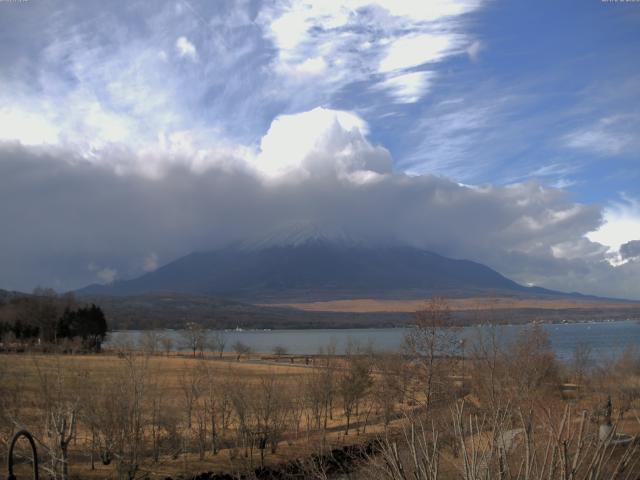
{"x":395,"y":327}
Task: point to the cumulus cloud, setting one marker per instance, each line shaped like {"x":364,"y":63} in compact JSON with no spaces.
{"x":186,"y":49}
{"x":150,"y":262}
{"x":621,"y":224}
{"x":95,"y":85}
{"x":66,"y":211}
{"x":320,"y":142}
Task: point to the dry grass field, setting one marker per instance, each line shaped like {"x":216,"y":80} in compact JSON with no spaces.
{"x":372,"y":305}
{"x":133,"y":415}
{"x":44,"y":384}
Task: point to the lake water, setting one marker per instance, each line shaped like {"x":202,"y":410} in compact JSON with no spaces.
{"x":606,"y":339}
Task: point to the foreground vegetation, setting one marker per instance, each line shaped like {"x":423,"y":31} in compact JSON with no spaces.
{"x":438,"y":410}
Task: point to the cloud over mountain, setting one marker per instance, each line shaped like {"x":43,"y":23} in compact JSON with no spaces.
{"x":134,"y":133}
{"x":67,"y":212}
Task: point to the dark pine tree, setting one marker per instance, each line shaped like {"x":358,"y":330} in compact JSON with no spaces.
{"x":88,"y":323}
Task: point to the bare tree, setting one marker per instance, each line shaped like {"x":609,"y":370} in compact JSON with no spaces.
{"x":623,"y":386}
{"x":327,"y":373}
{"x":279,"y":350}
{"x":194,"y":337}
{"x":270,"y":407}
{"x":532,"y":369}
{"x":240,"y":395}
{"x":161,"y":419}
{"x":214,"y":395}
{"x":118,"y":414}
{"x":59,"y":406}
{"x":149,"y":342}
{"x":387,"y":389}
{"x":191,"y":386}
{"x":241,"y":349}
{"x":217,"y":342}
{"x":558,"y":445}
{"x":433,"y":340}
{"x":45,"y":310}
{"x":487,"y":364}
{"x":167,"y":344}
{"x":581,"y":362}
{"x":354,"y":383}
{"x":314,"y":394}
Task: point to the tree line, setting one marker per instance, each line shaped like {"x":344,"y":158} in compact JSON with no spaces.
{"x":48,"y":319}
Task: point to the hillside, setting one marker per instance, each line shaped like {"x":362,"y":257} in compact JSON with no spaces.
{"x":319,"y":270}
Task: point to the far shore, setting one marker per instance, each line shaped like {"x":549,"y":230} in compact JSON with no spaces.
{"x":484,"y":304}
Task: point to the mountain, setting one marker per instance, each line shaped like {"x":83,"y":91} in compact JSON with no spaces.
{"x":317,"y":268}
{"x":6,"y":295}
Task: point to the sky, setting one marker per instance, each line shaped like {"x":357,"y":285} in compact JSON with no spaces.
{"x":132,"y":133}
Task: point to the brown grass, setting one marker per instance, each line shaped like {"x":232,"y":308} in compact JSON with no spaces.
{"x":28,"y":369}
{"x":372,"y":305}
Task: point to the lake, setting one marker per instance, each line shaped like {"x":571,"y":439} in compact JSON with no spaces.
{"x":606,"y":339}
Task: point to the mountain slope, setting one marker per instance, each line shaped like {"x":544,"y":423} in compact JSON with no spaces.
{"x":317,"y":269}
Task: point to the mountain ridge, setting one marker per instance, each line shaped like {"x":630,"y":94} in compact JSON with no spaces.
{"x":319,"y":269}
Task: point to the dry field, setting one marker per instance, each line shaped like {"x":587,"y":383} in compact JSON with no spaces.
{"x":371,"y":305}
{"x":175,"y":399}
{"x":133,"y":415}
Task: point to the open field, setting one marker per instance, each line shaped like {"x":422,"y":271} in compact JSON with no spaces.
{"x":372,"y":305}
{"x":192,"y":395}
{"x":127,"y":414}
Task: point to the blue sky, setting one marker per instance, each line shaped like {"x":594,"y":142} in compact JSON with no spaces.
{"x":533,"y":103}
{"x":546,"y":73}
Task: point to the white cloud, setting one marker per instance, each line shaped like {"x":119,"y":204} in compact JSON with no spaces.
{"x":127,"y":98}
{"x":290,"y":29}
{"x":310,"y":67}
{"x":613,"y":135}
{"x":474,"y":50}
{"x":430,"y":10}
{"x":319,"y":141}
{"x":28,"y":128}
{"x":407,"y":88}
{"x":186,"y":49}
{"x":414,"y":50}
{"x":105,"y":275}
{"x":363,"y":38}
{"x":450,"y":135}
{"x":150,"y":262}
{"x":621,"y":225}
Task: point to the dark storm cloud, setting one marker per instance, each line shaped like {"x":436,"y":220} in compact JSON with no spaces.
{"x":630,"y":250}
{"x":69,"y":222}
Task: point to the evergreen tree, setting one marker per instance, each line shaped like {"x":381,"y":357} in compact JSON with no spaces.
{"x":88,"y":323}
